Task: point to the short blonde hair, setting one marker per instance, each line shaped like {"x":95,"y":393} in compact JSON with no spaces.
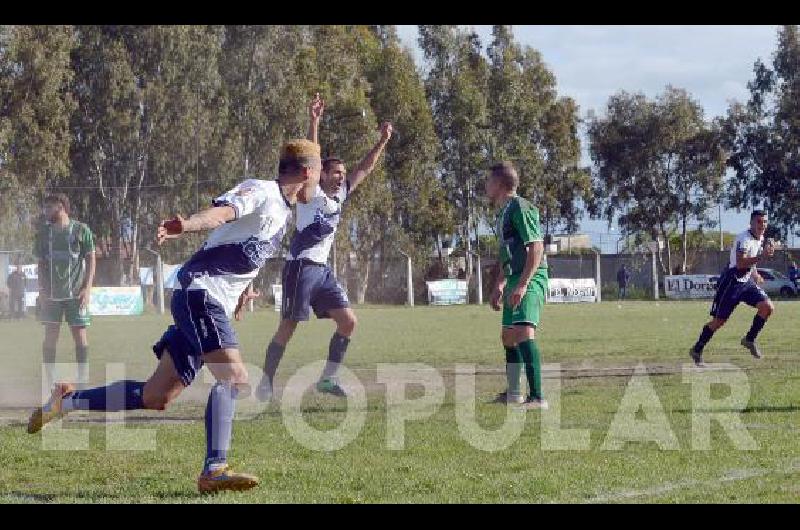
{"x":298,"y":153}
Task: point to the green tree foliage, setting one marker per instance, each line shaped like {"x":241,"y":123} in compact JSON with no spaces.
{"x":763,"y":137}
{"x":658,"y":164}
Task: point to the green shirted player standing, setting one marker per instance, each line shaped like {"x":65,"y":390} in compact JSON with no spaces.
{"x":66,"y":253}
{"x":521,"y":284}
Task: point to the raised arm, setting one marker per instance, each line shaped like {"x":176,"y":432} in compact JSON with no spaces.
{"x":205,"y":220}
{"x":315,"y":110}
{"x":366,"y":166}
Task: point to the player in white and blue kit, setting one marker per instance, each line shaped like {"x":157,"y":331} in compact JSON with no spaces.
{"x":739,"y":283}
{"x":308,"y":282}
{"x":247,"y":224}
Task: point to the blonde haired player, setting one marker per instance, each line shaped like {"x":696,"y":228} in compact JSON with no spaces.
{"x":247,"y":223}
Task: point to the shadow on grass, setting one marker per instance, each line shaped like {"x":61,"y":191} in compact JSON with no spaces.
{"x":748,"y":410}
{"x":67,"y":495}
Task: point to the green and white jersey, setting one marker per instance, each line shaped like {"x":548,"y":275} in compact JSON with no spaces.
{"x":63,"y":251}
{"x":518,"y":225}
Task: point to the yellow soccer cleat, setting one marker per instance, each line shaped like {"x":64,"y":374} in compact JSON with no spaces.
{"x":224,"y":479}
{"x":52,"y":410}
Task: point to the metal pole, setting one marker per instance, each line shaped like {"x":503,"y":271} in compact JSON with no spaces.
{"x":655,"y":278}
{"x":480,"y":279}
{"x":597,"y":277}
{"x":721,"y":245}
{"x":409,"y":279}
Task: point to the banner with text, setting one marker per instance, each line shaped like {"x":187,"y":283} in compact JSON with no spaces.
{"x":116,"y":301}
{"x":447,"y":292}
{"x":572,"y":290}
{"x":690,"y":286}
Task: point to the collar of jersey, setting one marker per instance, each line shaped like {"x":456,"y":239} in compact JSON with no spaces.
{"x":280,"y":190}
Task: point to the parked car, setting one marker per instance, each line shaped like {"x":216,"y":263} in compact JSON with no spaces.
{"x":775,"y":282}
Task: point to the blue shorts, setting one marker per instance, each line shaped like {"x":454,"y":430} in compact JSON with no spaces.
{"x":308,"y":285}
{"x":730,"y":292}
{"x":201,"y":326}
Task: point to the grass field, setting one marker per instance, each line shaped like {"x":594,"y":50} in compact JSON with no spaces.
{"x":437,"y":464}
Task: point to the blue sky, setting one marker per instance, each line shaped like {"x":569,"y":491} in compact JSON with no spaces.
{"x":714,"y":63}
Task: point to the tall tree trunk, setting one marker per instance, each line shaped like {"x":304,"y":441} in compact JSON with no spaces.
{"x":363,"y":279}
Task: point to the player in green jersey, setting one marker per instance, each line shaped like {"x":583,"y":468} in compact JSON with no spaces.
{"x":520,"y":284}
{"x":65,"y":249}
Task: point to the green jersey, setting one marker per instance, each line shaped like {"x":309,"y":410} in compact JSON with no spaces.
{"x":517,"y":226}
{"x":63,"y":251}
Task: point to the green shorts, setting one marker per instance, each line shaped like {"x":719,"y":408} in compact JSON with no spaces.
{"x":529,"y":311}
{"x":54,"y":311}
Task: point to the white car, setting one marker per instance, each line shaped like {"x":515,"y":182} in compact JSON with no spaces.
{"x":777,"y":283}
{"x":774,"y":283}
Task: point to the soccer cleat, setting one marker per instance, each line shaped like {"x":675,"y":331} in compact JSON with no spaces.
{"x":536,"y":403}
{"x":223,"y":479}
{"x":513,"y":399}
{"x":697,"y":357}
{"x":752,"y":346}
{"x":52,"y":410}
{"x":330,"y":385}
{"x":264,"y":390}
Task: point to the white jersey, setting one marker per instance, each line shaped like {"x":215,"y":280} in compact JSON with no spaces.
{"x":751,"y":246}
{"x":316,"y":225}
{"x":234,"y":252}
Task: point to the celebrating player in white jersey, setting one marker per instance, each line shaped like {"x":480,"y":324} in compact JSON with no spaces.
{"x":248,"y":223}
{"x":739,"y":284}
{"x":308,"y":281}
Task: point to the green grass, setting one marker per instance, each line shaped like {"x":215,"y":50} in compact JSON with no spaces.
{"x":436,"y":464}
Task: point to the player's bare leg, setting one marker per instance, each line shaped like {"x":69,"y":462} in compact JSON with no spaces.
{"x":765,"y":309}
{"x":227,"y":367}
{"x":51,"y":333}
{"x":273,"y":357}
{"x":346,"y":322}
{"x":81,"y":354}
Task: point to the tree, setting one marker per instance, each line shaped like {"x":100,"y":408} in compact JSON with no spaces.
{"x":35,"y":108}
{"x":456,"y":86}
{"x":763,"y":137}
{"x":397,"y":94}
{"x":536,"y":130}
{"x":657,"y":164}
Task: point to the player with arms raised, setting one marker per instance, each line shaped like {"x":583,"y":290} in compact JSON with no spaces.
{"x":308,"y":281}
{"x":247,"y":224}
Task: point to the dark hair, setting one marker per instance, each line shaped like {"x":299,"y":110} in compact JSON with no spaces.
{"x":757,"y":213}
{"x":506,"y":173}
{"x":331,"y":160}
{"x":58,"y":198}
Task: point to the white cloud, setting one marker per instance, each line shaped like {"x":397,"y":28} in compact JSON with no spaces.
{"x":713,"y":63}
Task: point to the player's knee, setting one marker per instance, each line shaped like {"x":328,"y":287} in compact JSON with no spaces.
{"x":155,"y":400}
{"x":347,"y":325}
{"x":766,"y":308}
{"x":716,"y":324}
{"x":237,"y":375}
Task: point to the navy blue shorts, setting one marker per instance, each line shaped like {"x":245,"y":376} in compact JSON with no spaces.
{"x":730,"y":292}
{"x":308,"y":285}
{"x":201,"y":326}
